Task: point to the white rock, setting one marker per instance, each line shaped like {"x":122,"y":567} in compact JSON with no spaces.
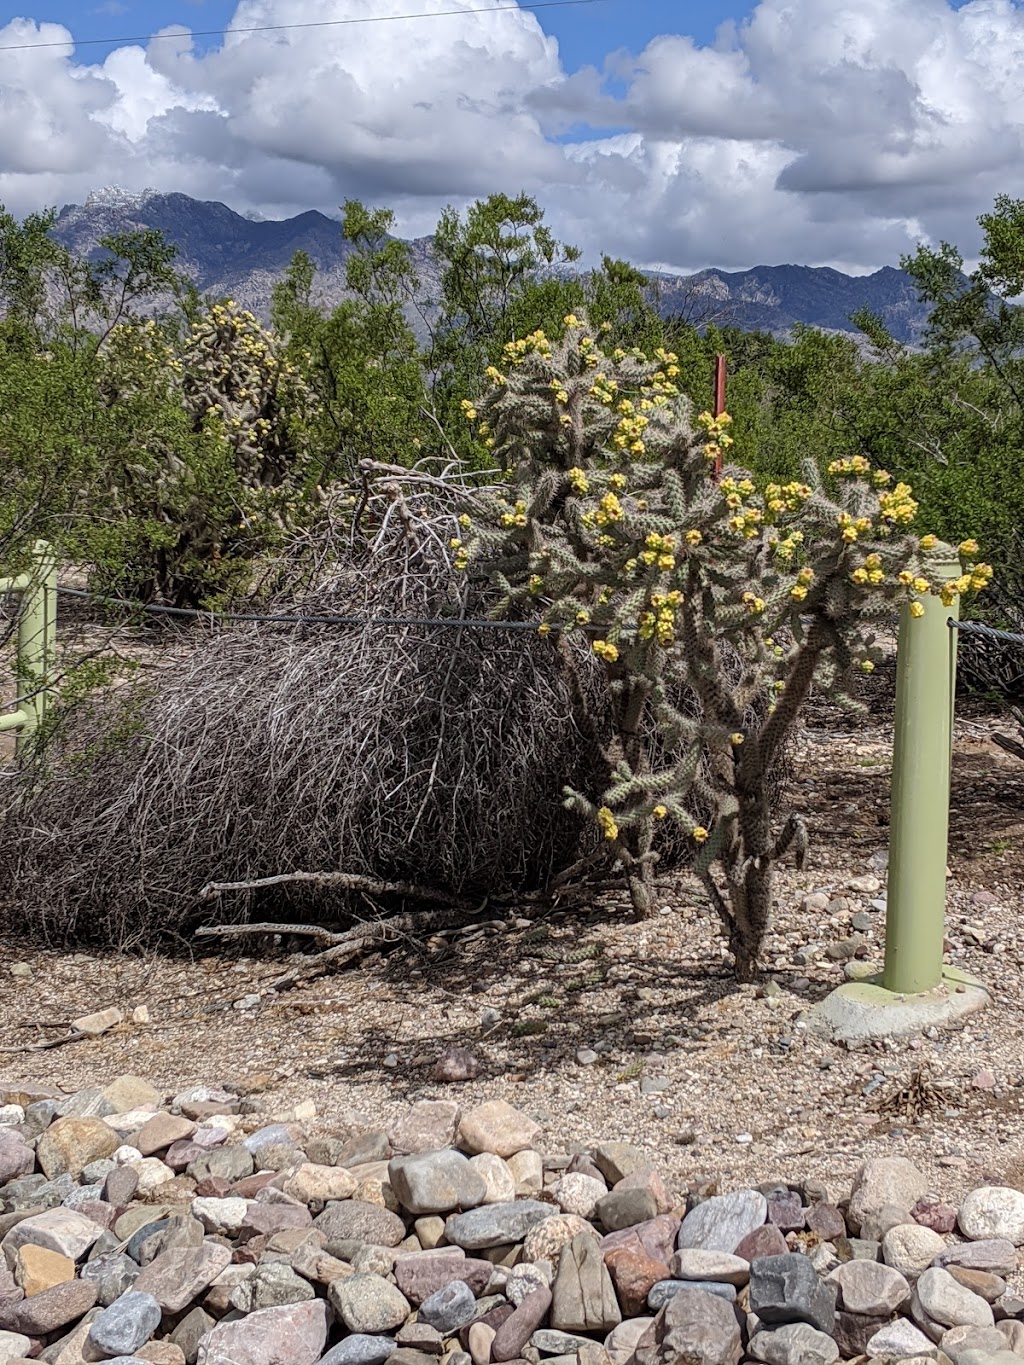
{"x":579,"y":1193}
{"x":61,"y":1230}
{"x":621,"y":1341}
{"x":126,"y":1156}
{"x":13,"y":1346}
{"x":870,"y":1288}
{"x":11,"y":1115}
{"x":527,"y":1169}
{"x":151,"y":1172}
{"x":221,"y":1216}
{"x":910,"y":1248}
{"x":694,"y":1263}
{"x":499,"y":1180}
{"x":993,"y":1211}
{"x":900,"y":1338}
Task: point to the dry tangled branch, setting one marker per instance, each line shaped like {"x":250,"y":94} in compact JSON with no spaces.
{"x":326,"y":773}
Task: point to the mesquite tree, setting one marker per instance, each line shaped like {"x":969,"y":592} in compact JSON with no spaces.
{"x":615,"y":523}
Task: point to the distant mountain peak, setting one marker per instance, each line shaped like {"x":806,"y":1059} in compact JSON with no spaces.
{"x":242,"y":256}
{"x":117,"y":197}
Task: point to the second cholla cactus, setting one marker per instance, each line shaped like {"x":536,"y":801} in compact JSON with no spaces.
{"x":613,"y":523}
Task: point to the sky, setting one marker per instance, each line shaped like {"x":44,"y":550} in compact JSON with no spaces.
{"x":678,"y":134}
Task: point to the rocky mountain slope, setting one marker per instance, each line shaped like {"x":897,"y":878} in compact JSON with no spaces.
{"x":227,"y":253}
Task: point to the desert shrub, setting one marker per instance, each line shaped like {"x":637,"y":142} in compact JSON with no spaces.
{"x":615,"y":527}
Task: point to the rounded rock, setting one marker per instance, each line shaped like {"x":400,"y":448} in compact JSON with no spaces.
{"x":911,"y":1248}
{"x":368,"y":1303}
{"x":993,"y":1211}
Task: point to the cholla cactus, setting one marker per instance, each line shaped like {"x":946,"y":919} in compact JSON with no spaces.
{"x":227,"y":465}
{"x":235,"y":379}
{"x":614,"y":524}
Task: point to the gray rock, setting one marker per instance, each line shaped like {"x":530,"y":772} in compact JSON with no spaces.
{"x":190,"y":1331}
{"x":621,"y":1342}
{"x":870,"y":1288}
{"x":272,"y":1286}
{"x":884,"y":1180}
{"x":693,"y":1328}
{"x":853,"y":1331}
{"x":995,"y":1255}
{"x":951,"y":1303}
{"x":495,"y":1224}
{"x":436,"y":1182}
{"x":127,"y":1324}
{"x":113,"y":1275}
{"x":224,"y":1163}
{"x":961,"y":1341}
{"x":358,"y":1221}
{"x":721,"y":1222}
{"x":526,"y":1277}
{"x":360,"y":1349}
{"x":419,"y":1336}
{"x":429,"y":1126}
{"x":664,"y":1290}
{"x":787,"y":1289}
{"x":616,"y":1160}
{"x":583,"y":1296}
{"x":797,"y":1343}
{"x":549,"y":1341}
{"x":368,"y":1303}
{"x":449,"y":1308}
{"x":625,"y":1208}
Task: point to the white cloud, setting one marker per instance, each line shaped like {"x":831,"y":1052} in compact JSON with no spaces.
{"x":826,"y":131}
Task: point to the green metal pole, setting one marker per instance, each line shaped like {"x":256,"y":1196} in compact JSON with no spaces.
{"x":37,"y":641}
{"x":922,"y":755}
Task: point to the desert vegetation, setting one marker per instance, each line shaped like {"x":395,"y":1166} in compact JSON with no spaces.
{"x":536,"y":446}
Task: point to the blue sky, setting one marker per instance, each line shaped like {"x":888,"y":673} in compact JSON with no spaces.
{"x":585,"y":33}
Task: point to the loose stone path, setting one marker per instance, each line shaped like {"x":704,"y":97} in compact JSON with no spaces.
{"x":179,"y":1230}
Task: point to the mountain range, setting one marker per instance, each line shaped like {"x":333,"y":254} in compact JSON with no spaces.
{"x":229,"y":254}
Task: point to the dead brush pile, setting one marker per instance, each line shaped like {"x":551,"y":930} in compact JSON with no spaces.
{"x":425,"y":765}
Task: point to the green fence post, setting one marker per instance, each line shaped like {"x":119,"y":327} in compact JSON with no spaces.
{"x":37,"y":641}
{"x":921,"y":761}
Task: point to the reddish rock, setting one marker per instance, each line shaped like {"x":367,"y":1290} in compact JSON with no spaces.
{"x":763,"y":1241}
{"x":263,"y":1220}
{"x":50,"y":1310}
{"x":932,"y":1213}
{"x":176,"y":1278}
{"x":827,"y":1221}
{"x":249,"y":1186}
{"x":634,"y":1275}
{"x":213,"y":1187}
{"x":655,"y":1238}
{"x":421,"y":1274}
{"x":293,"y":1335}
{"x":495,"y":1319}
{"x":519,"y":1326}
{"x":786,"y":1212}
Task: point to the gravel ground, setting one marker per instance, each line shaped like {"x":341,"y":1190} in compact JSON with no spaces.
{"x":709,"y":1077}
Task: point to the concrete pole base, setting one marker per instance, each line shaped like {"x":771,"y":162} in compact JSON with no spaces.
{"x":860,"y":1010}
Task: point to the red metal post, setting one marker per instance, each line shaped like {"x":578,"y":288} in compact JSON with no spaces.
{"x":721,"y":369}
